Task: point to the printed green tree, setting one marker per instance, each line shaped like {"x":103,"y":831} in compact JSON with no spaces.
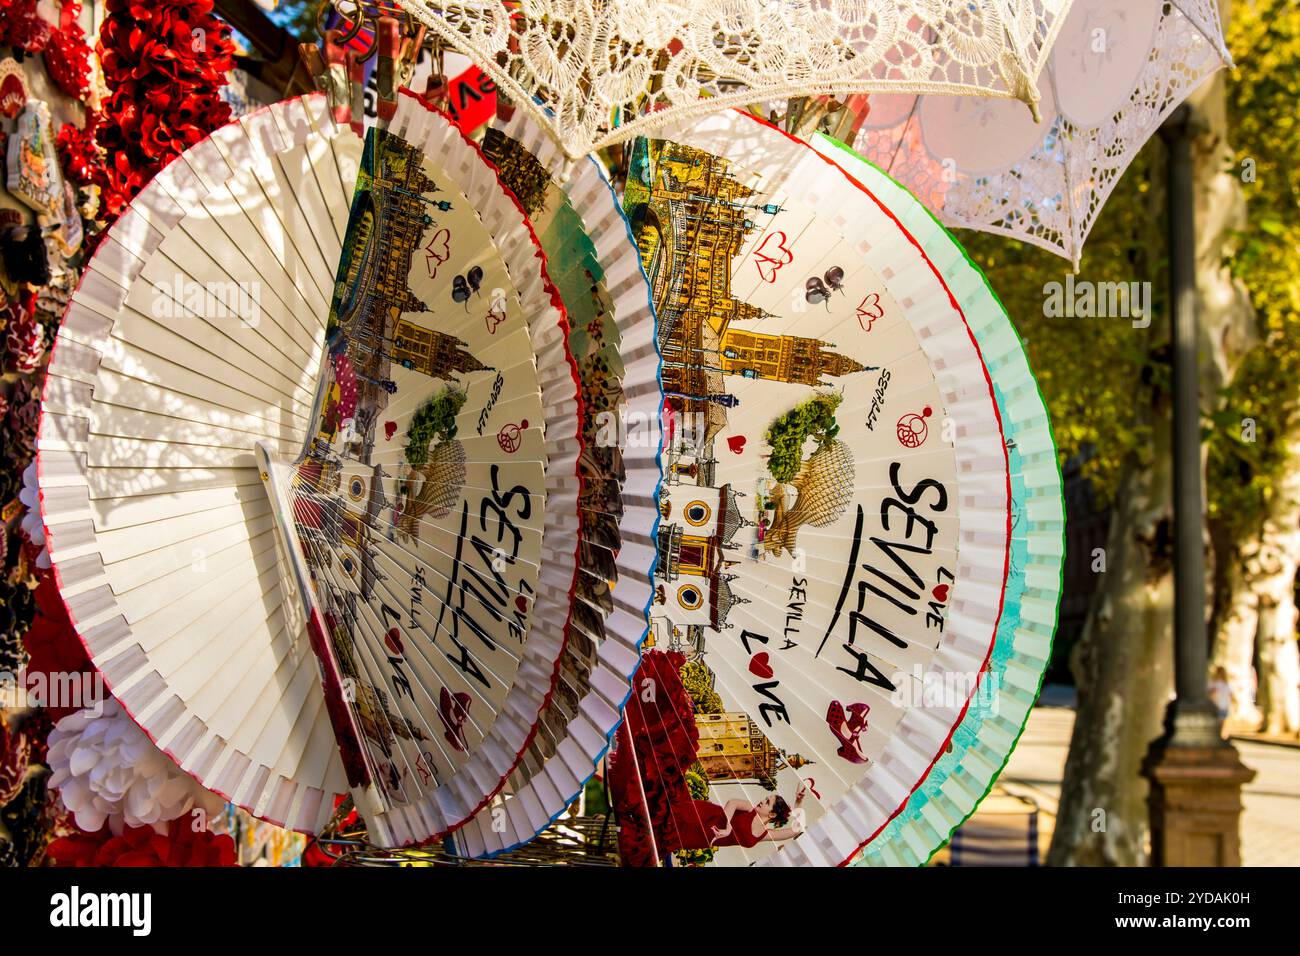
{"x":434,"y":420}
{"x":814,"y":418}
{"x":695,"y":678}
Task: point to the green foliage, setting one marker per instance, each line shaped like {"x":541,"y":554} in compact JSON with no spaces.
{"x":596,"y":798}
{"x":435,"y":419}
{"x":695,"y":678}
{"x":1101,"y":378}
{"x":1096,"y":374}
{"x":298,"y":17}
{"x":814,"y":418}
{"x":1246,"y":441}
{"x":694,"y":857}
{"x":697,"y":784}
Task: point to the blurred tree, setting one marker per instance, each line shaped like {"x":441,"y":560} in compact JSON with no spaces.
{"x":268,"y":38}
{"x":298,"y":17}
{"x":1254,"y":441}
{"x":434,"y":420}
{"x":1106,"y":382}
{"x":699,"y":685}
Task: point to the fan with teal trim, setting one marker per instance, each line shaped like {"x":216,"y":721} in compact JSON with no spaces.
{"x":993,"y":724}
{"x":860,"y":536}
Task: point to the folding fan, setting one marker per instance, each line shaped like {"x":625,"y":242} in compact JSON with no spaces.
{"x":388,"y":391}
{"x":594,"y":263}
{"x":996,"y":716}
{"x":837,"y":512}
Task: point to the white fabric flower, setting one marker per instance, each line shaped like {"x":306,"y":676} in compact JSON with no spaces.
{"x":32,"y":525}
{"x":107,"y":771}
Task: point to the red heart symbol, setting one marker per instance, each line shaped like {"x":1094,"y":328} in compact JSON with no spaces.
{"x":437,"y":251}
{"x":771,"y":255}
{"x":759,"y":665}
{"x":493,"y":319}
{"x":393,"y":641}
{"x":940,"y":593}
{"x":869,"y":309}
{"x":736,"y":443}
{"x":522,"y":603}
{"x":390,"y":429}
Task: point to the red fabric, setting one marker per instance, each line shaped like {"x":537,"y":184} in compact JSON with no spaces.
{"x":659,"y":726}
{"x":742,"y":828}
{"x":471,"y":99}
{"x":695,"y":822}
{"x":141,"y":846}
{"x":313,"y":855}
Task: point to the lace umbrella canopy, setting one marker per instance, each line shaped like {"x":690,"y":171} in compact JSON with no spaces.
{"x":598,"y":72}
{"x":1116,"y":70}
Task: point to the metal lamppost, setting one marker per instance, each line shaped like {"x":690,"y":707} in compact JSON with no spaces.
{"x":1196,"y":776}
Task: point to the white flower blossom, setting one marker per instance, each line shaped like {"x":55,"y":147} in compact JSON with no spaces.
{"x":107,"y":771}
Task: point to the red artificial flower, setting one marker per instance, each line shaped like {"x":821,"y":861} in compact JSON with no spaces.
{"x":79,"y":155}
{"x":67,"y":57}
{"x":164,"y":63}
{"x":182,"y":846}
{"x":22,"y":26}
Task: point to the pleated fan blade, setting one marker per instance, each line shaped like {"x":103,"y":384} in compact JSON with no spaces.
{"x":597,"y":268}
{"x":837,"y":554}
{"x":980,"y":745}
{"x":195,"y":335}
{"x":434,"y":510}
{"x":309,"y":469}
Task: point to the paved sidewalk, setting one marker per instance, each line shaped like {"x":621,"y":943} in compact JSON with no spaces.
{"x":1270,"y":825}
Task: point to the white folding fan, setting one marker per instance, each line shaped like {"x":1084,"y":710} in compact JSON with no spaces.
{"x":420,"y":451}
{"x":595,"y":265}
{"x":836,"y":533}
{"x":979,"y":747}
{"x":161,"y":535}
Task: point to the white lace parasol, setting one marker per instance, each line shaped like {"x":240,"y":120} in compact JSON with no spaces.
{"x":1117,"y":69}
{"x":598,"y":72}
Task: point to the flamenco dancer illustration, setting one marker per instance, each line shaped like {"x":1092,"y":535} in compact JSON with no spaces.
{"x":701,"y":824}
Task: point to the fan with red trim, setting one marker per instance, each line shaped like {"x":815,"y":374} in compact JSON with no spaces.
{"x":859,"y":545}
{"x":309,"y":470}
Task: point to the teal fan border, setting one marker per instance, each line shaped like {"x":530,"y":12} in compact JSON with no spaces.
{"x":993,"y":725}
